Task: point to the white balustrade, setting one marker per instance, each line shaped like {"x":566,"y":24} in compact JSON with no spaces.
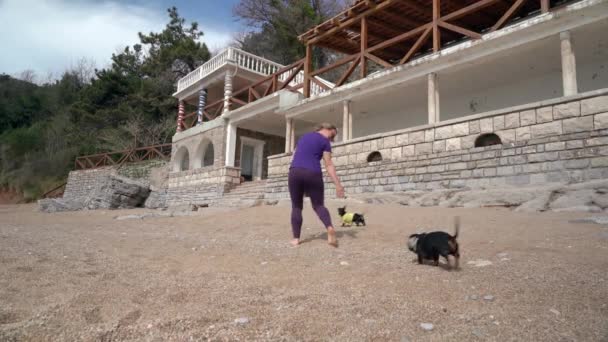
{"x":246,"y":61}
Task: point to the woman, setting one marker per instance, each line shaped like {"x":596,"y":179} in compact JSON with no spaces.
{"x":306,"y":177}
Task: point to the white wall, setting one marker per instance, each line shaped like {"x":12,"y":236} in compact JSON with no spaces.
{"x":591,"y":50}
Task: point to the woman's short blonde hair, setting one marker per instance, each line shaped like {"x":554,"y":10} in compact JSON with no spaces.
{"x":326,"y":125}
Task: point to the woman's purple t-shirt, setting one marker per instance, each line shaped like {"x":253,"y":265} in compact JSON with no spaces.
{"x":309,"y":151}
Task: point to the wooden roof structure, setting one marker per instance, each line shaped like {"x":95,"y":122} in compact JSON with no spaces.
{"x":392,"y":32}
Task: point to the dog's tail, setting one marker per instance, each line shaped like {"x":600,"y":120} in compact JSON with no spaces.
{"x":456,"y":226}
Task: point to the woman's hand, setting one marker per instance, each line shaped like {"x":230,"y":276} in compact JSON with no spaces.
{"x":339,"y":191}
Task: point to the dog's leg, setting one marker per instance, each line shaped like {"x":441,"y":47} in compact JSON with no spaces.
{"x":436,"y":260}
{"x":420,"y":259}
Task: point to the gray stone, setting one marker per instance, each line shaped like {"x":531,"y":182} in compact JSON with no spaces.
{"x":537,"y":204}
{"x":544,"y":114}
{"x":241,"y":320}
{"x":600,"y":121}
{"x":118,"y":193}
{"x":439,"y":146}
{"x":474,"y":127}
{"x":499,"y":122}
{"x":157,"y":199}
{"x":427,"y":326}
{"x":460,"y":129}
{"x":416,"y":137}
{"x":576,"y":125}
{"x":453,"y":144}
{"x":486,"y":125}
{"x":522,"y":134}
{"x":512,"y":120}
{"x":572,"y":199}
{"x":527,"y":117}
{"x":594,"y":105}
{"x":566,"y":110}
{"x":546,"y":129}
{"x":54,"y":205}
{"x":488,"y":298}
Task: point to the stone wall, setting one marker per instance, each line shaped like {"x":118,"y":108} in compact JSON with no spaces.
{"x":273,"y":145}
{"x":82,"y":182}
{"x":195,"y":145}
{"x":200,"y":186}
{"x":563,"y":140}
{"x":142,"y":172}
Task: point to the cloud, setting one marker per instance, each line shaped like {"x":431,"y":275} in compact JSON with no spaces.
{"x":51,"y":35}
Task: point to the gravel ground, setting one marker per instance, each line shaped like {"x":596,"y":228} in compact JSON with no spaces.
{"x":230,"y":275}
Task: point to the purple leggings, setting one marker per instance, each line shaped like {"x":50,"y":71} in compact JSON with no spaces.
{"x":303,"y":181}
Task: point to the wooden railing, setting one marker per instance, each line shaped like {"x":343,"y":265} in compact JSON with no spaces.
{"x":118,"y":158}
{"x":55,"y":192}
{"x":211,"y":111}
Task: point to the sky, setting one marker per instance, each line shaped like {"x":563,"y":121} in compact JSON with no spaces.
{"x":50,"y":36}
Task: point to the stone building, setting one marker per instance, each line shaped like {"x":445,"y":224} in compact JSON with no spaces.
{"x":470,"y":93}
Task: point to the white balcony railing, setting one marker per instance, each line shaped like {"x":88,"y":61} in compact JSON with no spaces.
{"x":247,"y":61}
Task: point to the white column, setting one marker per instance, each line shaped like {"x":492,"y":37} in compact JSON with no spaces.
{"x":230,"y":143}
{"x":288,"y":136}
{"x":227,"y":90}
{"x":292,"y":136}
{"x":345,"y":121}
{"x":433,"y":98}
{"x":568,"y":64}
{"x":350,"y":125}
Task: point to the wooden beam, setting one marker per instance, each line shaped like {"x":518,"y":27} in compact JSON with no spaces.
{"x":516,"y":6}
{"x":460,"y":30}
{"x":399,"y":38}
{"x":292,"y":76}
{"x":469,"y":9}
{"x":351,"y":21}
{"x":423,"y":38}
{"x":544,"y":6}
{"x":348,"y":72}
{"x":436,"y":32}
{"x":307,"y":70}
{"x":364,"y":37}
{"x":378,"y":60}
{"x":340,"y":62}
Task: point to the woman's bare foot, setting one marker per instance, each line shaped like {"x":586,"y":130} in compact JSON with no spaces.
{"x":294,"y":242}
{"x":331,"y":237}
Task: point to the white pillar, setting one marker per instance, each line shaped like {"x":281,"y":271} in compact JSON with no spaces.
{"x":433,"y":98}
{"x":345,"y":121}
{"x":227,"y":91}
{"x":350,"y":125}
{"x":292,"y":136}
{"x":568,"y":64}
{"x":230,"y":143}
{"x":288,"y":124}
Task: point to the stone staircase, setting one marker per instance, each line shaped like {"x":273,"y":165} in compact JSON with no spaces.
{"x":244,"y":195}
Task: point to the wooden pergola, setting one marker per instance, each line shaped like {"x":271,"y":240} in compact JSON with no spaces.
{"x":393,"y":32}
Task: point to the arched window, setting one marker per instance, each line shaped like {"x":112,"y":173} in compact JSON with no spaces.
{"x":205,"y":154}
{"x":488,"y":139}
{"x":209,"y":155}
{"x":374,"y":157}
{"x":182,"y":160}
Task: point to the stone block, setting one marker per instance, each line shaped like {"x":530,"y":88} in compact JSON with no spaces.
{"x":389,"y":142}
{"x":499,"y":122}
{"x":522,"y":134}
{"x":556,"y":146}
{"x":576,"y":125}
{"x":457,"y":166}
{"x":577,"y":163}
{"x":486,"y":125}
{"x":512,"y":120}
{"x":468,"y":141}
{"x":429,"y":135}
{"x":599,"y":162}
{"x":396,"y":153}
{"x":572,"y":144}
{"x":402,"y":139}
{"x":505,"y":170}
{"x":474,"y":127}
{"x":461,"y":129}
{"x":436,"y":168}
{"x":546,"y":129}
{"x":543,"y":157}
{"x":527,"y":117}
{"x":596,"y":141}
{"x":566,"y":110}
{"x":600,"y":121}
{"x":424,"y":148}
{"x":444,"y":132}
{"x":453,"y":144}
{"x":439,"y":146}
{"x":507,"y":136}
{"x":594,"y":105}
{"x":408,"y":151}
{"x":416,"y":137}
{"x":544,"y":114}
